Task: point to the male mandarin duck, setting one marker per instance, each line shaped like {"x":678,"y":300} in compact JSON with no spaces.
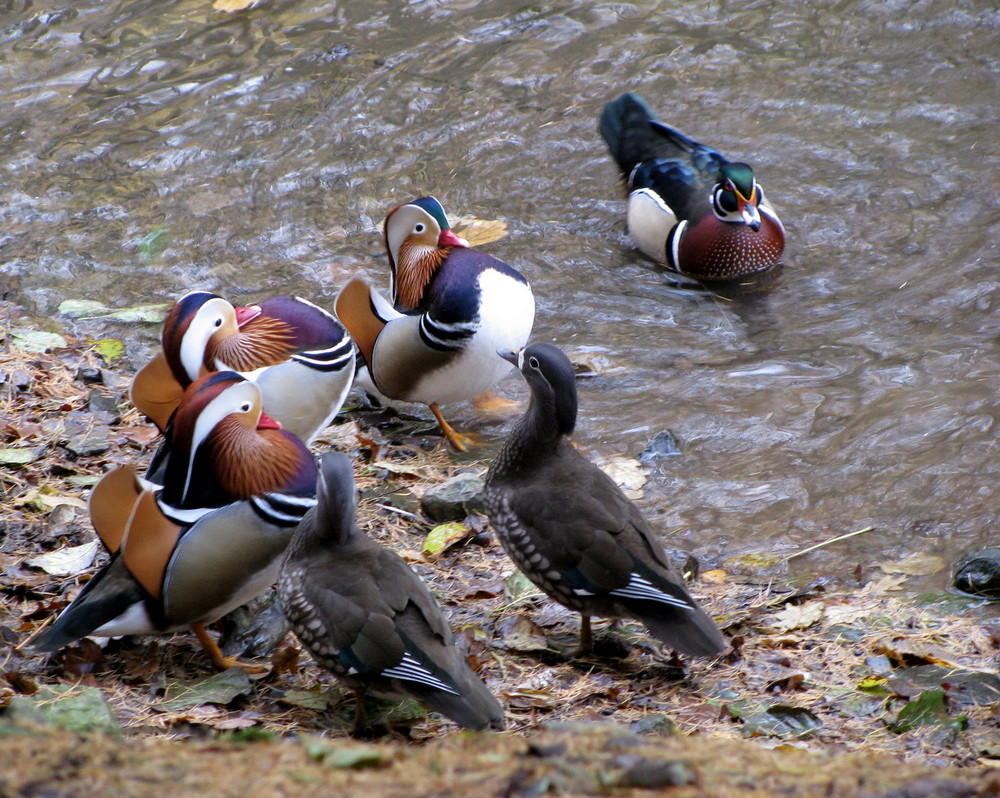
{"x":572,"y":531}
{"x":688,"y":205}
{"x":366,"y":616}
{"x":235,"y":487}
{"x":452,"y":308}
{"x":298,"y":353}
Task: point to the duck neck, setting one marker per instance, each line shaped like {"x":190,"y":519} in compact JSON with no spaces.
{"x":535,"y":436}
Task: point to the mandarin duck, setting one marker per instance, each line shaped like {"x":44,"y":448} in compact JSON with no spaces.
{"x":367,"y":617}
{"x":298,"y":353}
{"x":452,"y":308}
{"x":572,"y":531}
{"x":235,"y":487}
{"x":688,"y":205}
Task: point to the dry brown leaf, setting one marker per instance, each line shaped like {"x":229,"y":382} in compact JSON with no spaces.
{"x":714,"y":577}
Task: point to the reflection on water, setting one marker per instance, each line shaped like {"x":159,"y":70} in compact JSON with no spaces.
{"x":259,"y":150}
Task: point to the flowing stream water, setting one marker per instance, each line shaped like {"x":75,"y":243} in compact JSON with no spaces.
{"x":147,"y":148}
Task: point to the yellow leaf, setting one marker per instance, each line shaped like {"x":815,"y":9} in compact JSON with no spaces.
{"x":479,"y":231}
{"x":233,"y":5}
{"x":443,"y":537}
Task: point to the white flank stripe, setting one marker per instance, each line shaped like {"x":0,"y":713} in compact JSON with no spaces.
{"x":640,"y":588}
{"x":411,"y":670}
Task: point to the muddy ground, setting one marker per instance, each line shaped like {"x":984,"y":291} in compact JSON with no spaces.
{"x":852,"y":688}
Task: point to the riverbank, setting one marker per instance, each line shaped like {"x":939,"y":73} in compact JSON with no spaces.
{"x":831,"y":689}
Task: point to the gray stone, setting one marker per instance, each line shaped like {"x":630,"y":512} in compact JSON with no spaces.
{"x":454,"y":499}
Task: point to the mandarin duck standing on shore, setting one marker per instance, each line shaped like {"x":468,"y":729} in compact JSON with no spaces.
{"x":366,"y":616}
{"x":452,"y":308}
{"x":235,"y":487}
{"x":572,"y":531}
{"x":298,"y":353}
{"x":689,"y":206}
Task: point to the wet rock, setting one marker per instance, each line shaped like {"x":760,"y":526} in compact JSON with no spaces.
{"x":89,"y":375}
{"x":655,"y":724}
{"x":663,"y":445}
{"x":91,"y":443}
{"x":454,"y":499}
{"x":756,"y":564}
{"x":101,"y":399}
{"x":16,"y":379}
{"x":686,"y":563}
{"x":653,"y":774}
{"x":71,"y":707}
{"x":978,"y":573}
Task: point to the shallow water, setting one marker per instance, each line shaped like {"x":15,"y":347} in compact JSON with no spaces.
{"x":147,"y":148}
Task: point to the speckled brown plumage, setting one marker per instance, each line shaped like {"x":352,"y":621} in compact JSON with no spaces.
{"x":367,"y":617}
{"x":572,"y":531}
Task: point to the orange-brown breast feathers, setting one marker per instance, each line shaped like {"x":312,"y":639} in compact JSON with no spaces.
{"x":155,"y":391}
{"x":111,"y":503}
{"x":355,"y":311}
{"x":149,"y":542}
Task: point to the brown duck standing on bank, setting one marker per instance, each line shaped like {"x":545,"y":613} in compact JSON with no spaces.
{"x":211,"y":538}
{"x":367,"y":617}
{"x":570,"y":528}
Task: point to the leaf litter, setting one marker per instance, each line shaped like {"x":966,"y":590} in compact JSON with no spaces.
{"x":798,"y":674}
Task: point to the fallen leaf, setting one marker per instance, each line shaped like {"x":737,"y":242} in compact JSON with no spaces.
{"x":927,"y":709}
{"x":36,"y":340}
{"x":234,"y":5}
{"x":479,"y":231}
{"x":519,"y":588}
{"x":42,"y":499}
{"x":80,"y":308}
{"x":342,"y":756}
{"x":219,"y":688}
{"x":396,"y":468}
{"x":110,"y":350}
{"x":442,"y":537}
{"x":627,"y":473}
{"x":714,"y":577}
{"x":20,"y":455}
{"x":519,"y":633}
{"x":795,"y":616}
{"x":909,"y":651}
{"x":317,"y":698}
{"x":918,"y":564}
{"x":67,"y":561}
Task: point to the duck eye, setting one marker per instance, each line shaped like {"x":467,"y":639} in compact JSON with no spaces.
{"x":533,"y":362}
{"x":418,"y":227}
{"x":245,"y":407}
{"x":727,"y":201}
{"x":218,"y":322}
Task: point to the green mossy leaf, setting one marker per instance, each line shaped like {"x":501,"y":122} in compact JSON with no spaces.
{"x":219,"y":688}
